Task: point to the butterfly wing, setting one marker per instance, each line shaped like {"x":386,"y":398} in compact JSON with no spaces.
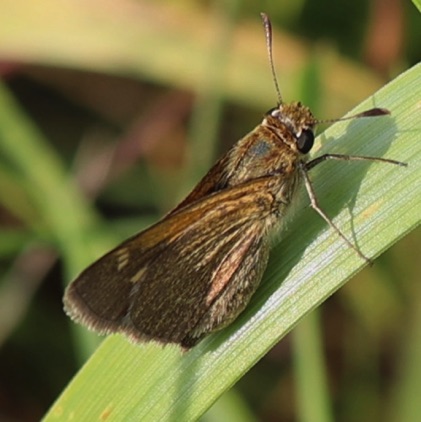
{"x":177,"y":280}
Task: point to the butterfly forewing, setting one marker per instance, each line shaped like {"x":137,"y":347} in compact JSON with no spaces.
{"x":176,"y":262}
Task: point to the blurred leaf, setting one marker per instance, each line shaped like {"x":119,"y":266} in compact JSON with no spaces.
{"x":60,"y":208}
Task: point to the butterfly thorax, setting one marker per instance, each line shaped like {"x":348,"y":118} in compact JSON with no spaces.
{"x":274,"y":148}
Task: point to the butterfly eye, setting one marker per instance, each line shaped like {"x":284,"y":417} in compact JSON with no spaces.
{"x":305,"y":141}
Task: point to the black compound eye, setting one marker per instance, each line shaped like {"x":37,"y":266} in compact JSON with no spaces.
{"x":305,"y":141}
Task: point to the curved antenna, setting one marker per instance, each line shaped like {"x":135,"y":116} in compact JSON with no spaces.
{"x":268,"y":32}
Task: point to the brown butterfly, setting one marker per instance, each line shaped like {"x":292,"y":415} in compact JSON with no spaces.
{"x":195,"y":270}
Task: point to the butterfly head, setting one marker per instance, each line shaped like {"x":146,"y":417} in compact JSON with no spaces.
{"x":297,"y":120}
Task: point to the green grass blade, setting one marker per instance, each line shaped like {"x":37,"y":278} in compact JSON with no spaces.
{"x":311,"y":382}
{"x":376,"y":204}
{"x":61,"y":211}
{"x":57,"y":211}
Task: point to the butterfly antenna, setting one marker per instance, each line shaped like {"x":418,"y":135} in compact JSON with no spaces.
{"x":268,"y":32}
{"x":373,"y":112}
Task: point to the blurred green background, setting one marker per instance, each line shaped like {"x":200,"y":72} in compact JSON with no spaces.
{"x":127,"y":104}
